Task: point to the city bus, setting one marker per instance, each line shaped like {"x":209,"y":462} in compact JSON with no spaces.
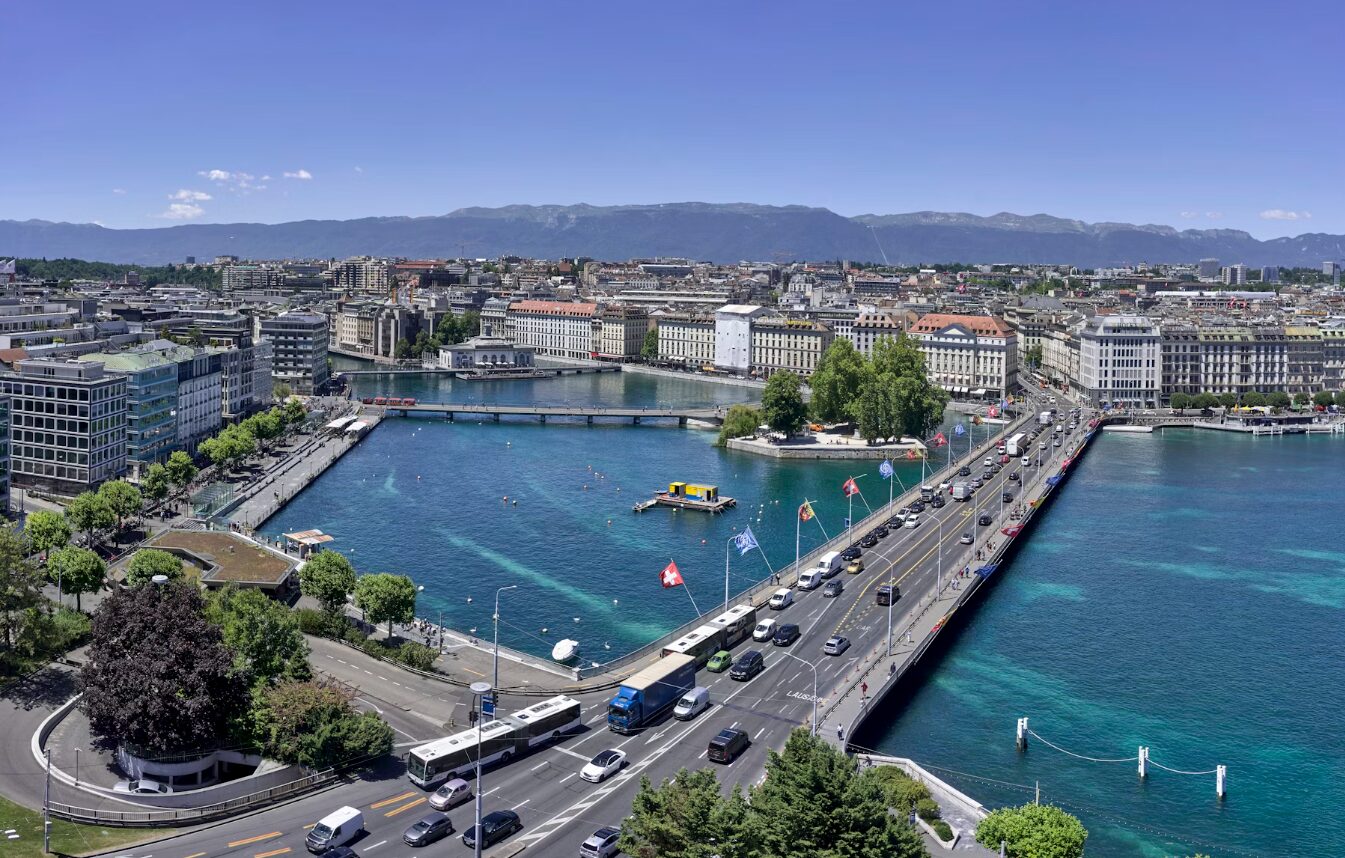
{"x":736,"y":623}
{"x":501,"y":740}
{"x":542,"y":722}
{"x":700,"y":644}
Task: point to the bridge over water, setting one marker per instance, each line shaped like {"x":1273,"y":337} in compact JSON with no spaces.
{"x":542,"y":412}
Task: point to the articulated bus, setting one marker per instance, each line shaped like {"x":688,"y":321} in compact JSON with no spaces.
{"x":736,"y":623}
{"x":500,"y":740}
{"x":700,"y":644}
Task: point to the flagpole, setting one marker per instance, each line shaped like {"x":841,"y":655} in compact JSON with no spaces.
{"x":798,"y":525}
{"x":692,"y":598}
{"x":890,"y":481}
{"x":727,"y":547}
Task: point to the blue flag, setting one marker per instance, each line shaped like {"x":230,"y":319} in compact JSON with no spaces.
{"x":885,"y":469}
{"x":959,"y":429}
{"x":745,"y":541}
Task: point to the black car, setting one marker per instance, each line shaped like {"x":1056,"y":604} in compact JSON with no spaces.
{"x":918,"y":506}
{"x":747,"y":665}
{"x":1013,"y":478}
{"x":495,"y":826}
{"x":964,"y":471}
{"x":1008,"y":497}
{"x":833,"y":588}
{"x":868,"y":541}
{"x":880,"y":531}
{"x":895,"y":522}
{"x":340,"y":852}
{"x":938,"y":502}
{"x":984,"y":520}
{"x":785,"y":634}
{"x":852,"y":552}
{"x":429,"y":828}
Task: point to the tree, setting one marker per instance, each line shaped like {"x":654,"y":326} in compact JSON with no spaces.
{"x":90,"y":512}
{"x":918,"y":403}
{"x":403,"y":350}
{"x":877,"y":410}
{"x":1302,"y":399}
{"x":1340,"y":398}
{"x":1323,"y":398}
{"x":313,"y":724}
{"x":836,"y":382}
{"x":293,"y":412}
{"x":900,"y":789}
{"x":813,"y":802}
{"x":385,"y":597}
{"x":1228,"y":400}
{"x":1277,"y":399}
{"x":20,"y":582}
{"x":1253,"y":399}
{"x":1033,"y":831}
{"x":148,"y":562}
{"x":1205,"y":400}
{"x":155,"y":485}
{"x":1180,"y":401}
{"x":181,"y":469}
{"x":1033,"y":356}
{"x":281,"y":391}
{"x":741,"y":421}
{"x":123,"y":499}
{"x":159,"y":678}
{"x":46,"y":530}
{"x":782,"y":403}
{"x":76,"y":570}
{"x":649,"y":351}
{"x":329,"y":578}
{"x":261,"y":633}
{"x":687,"y":817}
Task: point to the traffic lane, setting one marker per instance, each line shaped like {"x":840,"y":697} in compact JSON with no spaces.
{"x":437,"y":701}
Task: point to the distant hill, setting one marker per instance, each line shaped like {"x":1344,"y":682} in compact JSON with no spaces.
{"x":702,"y":231}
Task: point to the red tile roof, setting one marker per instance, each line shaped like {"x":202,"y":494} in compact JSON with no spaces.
{"x":555,"y":308}
{"x":981,"y":326}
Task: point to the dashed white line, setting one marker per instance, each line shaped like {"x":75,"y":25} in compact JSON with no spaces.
{"x":567,"y":777}
{"x":520,"y":804}
{"x":376,"y":845}
{"x":539,"y":765}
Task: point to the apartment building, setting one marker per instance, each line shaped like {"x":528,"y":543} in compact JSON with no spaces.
{"x":373,"y":329}
{"x":362,"y":274}
{"x":555,"y":328}
{"x":620,"y":332}
{"x":151,"y":405}
{"x":67,"y":424}
{"x":263,"y":384}
{"x":1120,"y":361}
{"x":869,"y":327}
{"x":247,"y":276}
{"x":788,"y":344}
{"x":969,"y":356}
{"x":18,"y":318}
{"x":687,"y":339}
{"x":1333,"y":354}
{"x":299,"y":350}
{"x":5,"y":404}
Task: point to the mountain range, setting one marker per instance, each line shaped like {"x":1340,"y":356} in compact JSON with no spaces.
{"x":700,"y":231}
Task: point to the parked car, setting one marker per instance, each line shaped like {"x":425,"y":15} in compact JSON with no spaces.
{"x":601,"y":844}
{"x":451,"y":794}
{"x":720,"y":661}
{"x":836,"y":645}
{"x":785,"y":634}
{"x":603,"y":766}
{"x":833,"y":588}
{"x":495,"y":826}
{"x":143,"y":786}
{"x":747,"y":665}
{"x":426,"y":830}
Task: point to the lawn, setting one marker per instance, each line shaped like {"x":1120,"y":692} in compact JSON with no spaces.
{"x":67,"y":838}
{"x":238,"y":559}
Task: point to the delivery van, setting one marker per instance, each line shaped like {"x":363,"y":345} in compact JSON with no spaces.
{"x":335,"y":829}
{"x":811,"y":579}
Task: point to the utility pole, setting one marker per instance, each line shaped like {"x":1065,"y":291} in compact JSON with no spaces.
{"x":46,"y":808}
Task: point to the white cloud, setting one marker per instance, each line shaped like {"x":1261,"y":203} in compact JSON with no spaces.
{"x":215,"y":175}
{"x":359,"y":169}
{"x":1189,"y":215}
{"x":298,"y":174}
{"x":1282,"y":214}
{"x":119,"y":191}
{"x":235,"y":180}
{"x":182,"y":211}
{"x":1214,"y":215}
{"x":266,"y":178}
{"x":187,"y":196}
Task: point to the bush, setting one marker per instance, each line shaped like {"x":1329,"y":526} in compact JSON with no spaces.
{"x":943,"y":829}
{"x":927,"y":809}
{"x":313,"y":622}
{"x":375,"y":647}
{"x":417,"y":655}
{"x":901,"y":790}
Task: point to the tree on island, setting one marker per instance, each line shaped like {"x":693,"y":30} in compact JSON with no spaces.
{"x":741,"y":421}
{"x":76,"y":570}
{"x":836,"y":382}
{"x":148,"y":562}
{"x":329,"y":578}
{"x":782,"y":403}
{"x":1033,"y":831}
{"x":385,"y":597}
{"x":159,"y":678}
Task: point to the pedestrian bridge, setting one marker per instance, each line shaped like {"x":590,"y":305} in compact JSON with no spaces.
{"x":452,"y":410}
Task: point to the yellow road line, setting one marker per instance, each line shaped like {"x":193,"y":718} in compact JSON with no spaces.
{"x":407,"y":806}
{"x":196,"y":855}
{"x":472,"y":672}
{"x":272,"y":853}
{"x":256,"y":839}
{"x":387,"y":801}
{"x":309,"y":825}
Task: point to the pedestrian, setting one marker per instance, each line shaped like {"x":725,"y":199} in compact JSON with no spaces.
{"x":840,"y":733}
{"x":864,"y":688}
{"x":892,"y":669}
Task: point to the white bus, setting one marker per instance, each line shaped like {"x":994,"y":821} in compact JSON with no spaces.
{"x":736,"y":623}
{"x":699,"y":643}
{"x":501,"y":739}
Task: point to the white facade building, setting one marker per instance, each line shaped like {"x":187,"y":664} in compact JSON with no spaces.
{"x":555,"y":328}
{"x":1120,"y":361}
{"x":733,"y":336}
{"x":969,"y":356}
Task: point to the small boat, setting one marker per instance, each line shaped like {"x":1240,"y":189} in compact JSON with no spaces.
{"x":565,"y":651}
{"x":644,"y":505}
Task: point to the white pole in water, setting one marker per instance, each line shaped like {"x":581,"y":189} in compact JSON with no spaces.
{"x":1143,"y":762}
{"x":1219,"y":773}
{"x":1022,"y":734}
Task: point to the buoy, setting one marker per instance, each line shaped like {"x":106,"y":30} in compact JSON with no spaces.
{"x":545,"y":630}
{"x":515,"y":503}
{"x":606,"y":645}
{"x":702,"y":542}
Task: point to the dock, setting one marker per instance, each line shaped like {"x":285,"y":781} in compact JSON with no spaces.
{"x":719,"y":504}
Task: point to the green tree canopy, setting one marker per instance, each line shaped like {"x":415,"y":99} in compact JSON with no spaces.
{"x":1324,"y":398}
{"x":649,"y":350}
{"x":836,"y":382}
{"x":122,"y":498}
{"x":1277,"y":399}
{"x":181,"y":469}
{"x":76,"y":570}
{"x":158,"y":675}
{"x":1228,"y":400}
{"x":1253,"y":399}
{"x":741,"y":421}
{"x":329,"y":578}
{"x":1180,"y":401}
{"x":687,"y":817}
{"x":230,"y":446}
{"x":91,"y":513}
{"x":1340,"y":398}
{"x":782,"y":403}
{"x":20,"y":583}
{"x":156,"y":485}
{"x":261,"y":633}
{"x":900,"y":789}
{"x":313,"y":724}
{"x":1205,"y":400}
{"x":1033,"y":831}
{"x":148,"y":562}
{"x":385,"y":597}
{"x":46,"y":530}
{"x":1302,"y":399}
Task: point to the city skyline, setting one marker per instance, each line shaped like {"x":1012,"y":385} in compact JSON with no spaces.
{"x":280,"y":115}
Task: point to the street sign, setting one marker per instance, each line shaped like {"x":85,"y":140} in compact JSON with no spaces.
{"x":488,"y":704}
{"x":847,"y":522}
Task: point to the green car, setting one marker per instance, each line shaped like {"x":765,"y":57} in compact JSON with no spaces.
{"x":719,"y":662}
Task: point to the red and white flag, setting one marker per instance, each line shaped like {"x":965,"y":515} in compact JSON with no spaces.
{"x":850,"y":488}
{"x":940,"y":440}
{"x":993,"y":411}
{"x":670,"y":577}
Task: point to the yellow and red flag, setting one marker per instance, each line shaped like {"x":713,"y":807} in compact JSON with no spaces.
{"x":806,"y":511}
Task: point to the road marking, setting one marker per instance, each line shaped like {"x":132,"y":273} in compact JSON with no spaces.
{"x":520,"y":804}
{"x":410,"y":804}
{"x":375,"y":846}
{"x":306,"y":827}
{"x":758,"y":735}
{"x":567,"y":777}
{"x":472,"y":672}
{"x":539,"y":765}
{"x":597,"y":718}
{"x":260,"y":837}
{"x":387,"y":801}
{"x":272,"y":853}
{"x":571,"y":753}
{"x":196,"y":855}
{"x":384,"y":678}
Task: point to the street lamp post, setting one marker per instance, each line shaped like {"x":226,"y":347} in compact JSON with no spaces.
{"x":495,"y":666}
{"x":813,"y":668}
{"x":479,"y":691}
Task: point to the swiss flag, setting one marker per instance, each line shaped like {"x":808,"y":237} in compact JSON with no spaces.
{"x":670,"y":577}
{"x":940,"y":440}
{"x":910,"y":454}
{"x":850,"y":488}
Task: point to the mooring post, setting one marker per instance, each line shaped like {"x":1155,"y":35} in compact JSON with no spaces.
{"x":1022,"y":734}
{"x":1219,"y":773}
{"x":1143,"y":761}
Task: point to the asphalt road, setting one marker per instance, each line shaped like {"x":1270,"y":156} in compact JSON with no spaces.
{"x":557,"y":808}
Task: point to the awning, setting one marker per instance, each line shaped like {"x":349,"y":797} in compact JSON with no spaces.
{"x":357,"y":426}
{"x":340,"y":422}
{"x":309,"y":537}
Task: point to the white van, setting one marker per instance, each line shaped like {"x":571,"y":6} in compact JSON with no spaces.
{"x":335,"y":829}
{"x":781,"y":599}
{"x":693,"y":703}
{"x":764,"y":630}
{"x":811,"y":579}
{"x":830,"y":563}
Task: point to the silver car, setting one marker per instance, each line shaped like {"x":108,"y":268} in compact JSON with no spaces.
{"x":602,"y":843}
{"x":451,"y":794}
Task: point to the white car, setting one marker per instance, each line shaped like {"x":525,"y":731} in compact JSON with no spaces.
{"x":912,"y":521}
{"x":764,"y":630}
{"x":781,"y":599}
{"x":144,"y":786}
{"x":603,"y":766}
{"x":945,"y":486}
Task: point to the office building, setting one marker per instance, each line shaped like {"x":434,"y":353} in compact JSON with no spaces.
{"x":969,"y":356}
{"x":1120,"y":361}
{"x":299,"y":350}
{"x":1235,"y":275}
{"x":1208,"y":269}
{"x":795,"y":345}
{"x":4,"y":454}
{"x":554,"y":328}
{"x":67,"y":424}
{"x":263,"y":385}
{"x":253,"y":276}
{"x":151,"y":405}
{"x":1270,"y":274}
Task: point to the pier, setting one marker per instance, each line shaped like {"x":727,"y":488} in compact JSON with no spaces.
{"x":637,"y":415}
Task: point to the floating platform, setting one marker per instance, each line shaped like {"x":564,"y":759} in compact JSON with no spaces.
{"x":719,"y":504}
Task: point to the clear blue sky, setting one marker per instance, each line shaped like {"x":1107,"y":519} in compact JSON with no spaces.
{"x":1196,"y":114}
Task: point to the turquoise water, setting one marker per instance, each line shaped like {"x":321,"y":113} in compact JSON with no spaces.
{"x":424,"y":497}
{"x":1186,"y":591}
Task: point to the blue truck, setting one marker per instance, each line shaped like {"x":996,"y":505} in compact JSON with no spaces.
{"x":651,"y":693}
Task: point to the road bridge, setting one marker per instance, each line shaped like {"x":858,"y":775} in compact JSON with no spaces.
{"x":636,"y":414}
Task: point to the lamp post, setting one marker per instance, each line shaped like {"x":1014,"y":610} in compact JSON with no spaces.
{"x":813,"y":668}
{"x":495,"y":666}
{"x":479,"y":691}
